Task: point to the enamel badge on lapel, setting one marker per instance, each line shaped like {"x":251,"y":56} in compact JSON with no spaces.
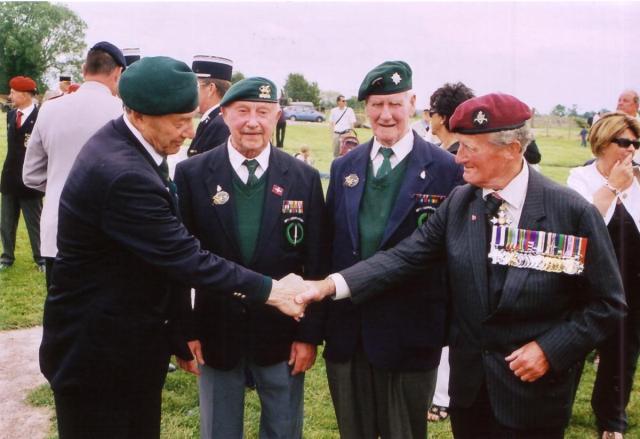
{"x":221,"y":197}
{"x":26,"y":139}
{"x":423,"y":175}
{"x":293,"y":222}
{"x":427,"y":204}
{"x":277,"y":190}
{"x":351,"y":180}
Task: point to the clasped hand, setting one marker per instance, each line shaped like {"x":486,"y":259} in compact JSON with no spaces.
{"x":292,"y":294}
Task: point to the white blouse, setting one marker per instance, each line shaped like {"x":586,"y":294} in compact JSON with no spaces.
{"x":586,"y":180}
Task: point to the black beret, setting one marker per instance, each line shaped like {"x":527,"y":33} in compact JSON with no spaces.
{"x":388,"y":78}
{"x":158,"y":85}
{"x":251,"y":89}
{"x":489,"y":113}
{"x":112,"y":50}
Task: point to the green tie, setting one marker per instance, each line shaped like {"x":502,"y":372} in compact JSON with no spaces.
{"x":385,"y":167}
{"x":164,"y":172}
{"x":251,"y":165}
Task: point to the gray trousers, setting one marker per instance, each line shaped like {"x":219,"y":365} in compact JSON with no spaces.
{"x":371,"y":403}
{"x":222,"y":401}
{"x":9,"y":217}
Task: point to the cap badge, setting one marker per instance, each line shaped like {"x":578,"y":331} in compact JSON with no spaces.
{"x":480,"y":118}
{"x":396,"y":78}
{"x":265,"y":92}
{"x":351,"y":180}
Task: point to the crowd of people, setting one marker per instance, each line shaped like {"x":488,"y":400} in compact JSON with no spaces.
{"x":444,"y":275}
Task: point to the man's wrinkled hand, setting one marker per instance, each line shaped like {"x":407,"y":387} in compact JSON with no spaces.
{"x":315,"y":291}
{"x":191,"y":366}
{"x":302,"y":357}
{"x":528,"y":362}
{"x":283,"y":293}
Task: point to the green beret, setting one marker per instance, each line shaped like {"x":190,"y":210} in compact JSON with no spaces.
{"x":388,"y":78}
{"x":251,"y":89}
{"x":158,"y":85}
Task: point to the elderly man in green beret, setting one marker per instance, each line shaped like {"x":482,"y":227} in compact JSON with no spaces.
{"x":256,"y":205}
{"x":113,"y":312}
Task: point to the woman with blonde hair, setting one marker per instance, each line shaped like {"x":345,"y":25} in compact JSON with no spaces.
{"x":612,"y":184}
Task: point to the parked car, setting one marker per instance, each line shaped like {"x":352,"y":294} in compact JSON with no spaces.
{"x":303,"y":112}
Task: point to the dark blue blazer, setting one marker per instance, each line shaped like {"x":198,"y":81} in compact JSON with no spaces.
{"x":108,"y":315}
{"x":211,"y":132}
{"x":404,"y":334}
{"x":11,"y":180}
{"x":229,"y":329}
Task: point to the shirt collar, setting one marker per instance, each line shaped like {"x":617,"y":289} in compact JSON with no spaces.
{"x":400,"y":149}
{"x":238,"y":159}
{"x":157,"y":158}
{"x":515,"y":191}
{"x":26,"y":112}
{"x":208,"y":112}
{"x":95,"y":85}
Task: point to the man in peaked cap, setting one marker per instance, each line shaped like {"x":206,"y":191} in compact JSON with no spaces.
{"x":111,"y":314}
{"x":214,"y":79}
{"x":131,"y":55}
{"x":255,"y":205}
{"x":16,"y":197}
{"x":382,"y":356}
{"x":524,"y":315}
{"x":64,"y":125}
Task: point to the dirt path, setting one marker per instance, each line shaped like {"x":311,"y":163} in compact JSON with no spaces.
{"x":19,"y":374}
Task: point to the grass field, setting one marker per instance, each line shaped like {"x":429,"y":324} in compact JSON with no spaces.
{"x":22,"y":295}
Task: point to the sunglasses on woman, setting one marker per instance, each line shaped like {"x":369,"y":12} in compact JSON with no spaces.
{"x":624,"y":143}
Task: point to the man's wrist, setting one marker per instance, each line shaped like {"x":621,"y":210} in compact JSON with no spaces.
{"x":339,"y":287}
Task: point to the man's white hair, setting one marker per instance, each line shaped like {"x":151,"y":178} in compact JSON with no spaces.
{"x":524,"y":135}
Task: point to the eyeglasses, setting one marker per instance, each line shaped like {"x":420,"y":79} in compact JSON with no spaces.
{"x":342,"y":100}
{"x":624,"y":143}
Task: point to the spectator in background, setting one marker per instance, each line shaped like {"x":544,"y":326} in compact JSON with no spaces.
{"x":628,"y":103}
{"x":583,"y":137}
{"x":305,"y":155}
{"x":281,"y":128}
{"x":422,"y":127}
{"x":16,"y":197}
{"x":610,"y":184}
{"x":342,"y":119}
{"x":444,"y":102}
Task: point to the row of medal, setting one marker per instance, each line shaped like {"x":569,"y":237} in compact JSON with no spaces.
{"x":538,"y":250}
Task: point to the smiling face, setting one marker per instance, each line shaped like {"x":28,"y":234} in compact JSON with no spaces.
{"x":251,"y":125}
{"x":389,"y":115}
{"x":165,"y":133}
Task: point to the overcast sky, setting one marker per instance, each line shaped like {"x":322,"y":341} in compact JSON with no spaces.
{"x":543,"y":53}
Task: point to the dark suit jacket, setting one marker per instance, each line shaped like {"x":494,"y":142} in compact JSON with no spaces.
{"x":17,"y":138}
{"x":121,"y":251}
{"x":566,"y":315}
{"x":211,"y":132}
{"x":404,"y":334}
{"x":227,"y":328}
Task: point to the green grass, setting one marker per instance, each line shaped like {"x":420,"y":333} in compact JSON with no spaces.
{"x":22,"y":295}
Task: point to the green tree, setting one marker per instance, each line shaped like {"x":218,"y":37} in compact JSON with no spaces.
{"x":297,"y":88}
{"x":38,"y":39}
{"x":237,"y":76}
{"x":559,"y":110}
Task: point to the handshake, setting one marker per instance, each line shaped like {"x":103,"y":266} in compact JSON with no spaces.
{"x":292,"y":294}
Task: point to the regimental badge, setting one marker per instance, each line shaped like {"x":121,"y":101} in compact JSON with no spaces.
{"x":26,"y":139}
{"x":396,"y":78}
{"x":277,"y":190}
{"x":427,"y":205}
{"x":293,"y":210}
{"x":221,"y":197}
{"x":480,"y":118}
{"x":423,"y":174}
{"x":351,"y":180}
{"x":265,"y":92}
{"x":538,"y":250}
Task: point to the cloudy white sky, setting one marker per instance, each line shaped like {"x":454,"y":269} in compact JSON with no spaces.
{"x":543,"y":52}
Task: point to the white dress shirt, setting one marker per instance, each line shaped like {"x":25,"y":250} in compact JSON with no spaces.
{"x":238,"y":159}
{"x":206,"y":114}
{"x":157,"y":158}
{"x":26,"y":112}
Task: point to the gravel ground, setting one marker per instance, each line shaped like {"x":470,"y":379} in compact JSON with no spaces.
{"x":19,"y":374}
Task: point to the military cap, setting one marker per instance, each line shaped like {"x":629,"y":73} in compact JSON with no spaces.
{"x":131,"y":55}
{"x":388,"y":78}
{"x":251,"y":89}
{"x":112,"y":50}
{"x":65,"y":77}
{"x":158,"y":85}
{"x":489,"y":113}
{"x":212,"y":67}
{"x":22,"y":83}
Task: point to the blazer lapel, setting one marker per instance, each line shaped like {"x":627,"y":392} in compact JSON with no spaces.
{"x":416,"y":181}
{"x":278,"y":176}
{"x":218,"y":179}
{"x":532,"y":215}
{"x":353,"y":195}
{"x":476,"y":235}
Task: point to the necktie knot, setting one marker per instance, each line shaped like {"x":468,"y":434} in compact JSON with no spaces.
{"x":385,"y":167}
{"x":251,"y":165}
{"x":492,"y":203}
{"x":164,"y":170}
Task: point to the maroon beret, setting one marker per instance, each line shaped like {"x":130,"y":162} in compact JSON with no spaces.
{"x":489,"y":113}
{"x":22,"y":83}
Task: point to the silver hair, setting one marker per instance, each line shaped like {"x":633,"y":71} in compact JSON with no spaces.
{"x":524,"y":135}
